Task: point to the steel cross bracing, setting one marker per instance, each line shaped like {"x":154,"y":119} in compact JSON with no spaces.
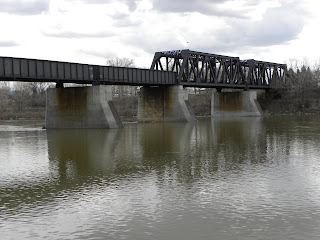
{"x":197,"y":69}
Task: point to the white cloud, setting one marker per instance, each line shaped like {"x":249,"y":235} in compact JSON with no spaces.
{"x":91,"y":31}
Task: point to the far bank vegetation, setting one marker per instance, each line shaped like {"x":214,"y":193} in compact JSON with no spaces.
{"x":299,"y":94}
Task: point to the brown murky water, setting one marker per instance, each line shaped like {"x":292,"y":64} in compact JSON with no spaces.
{"x":248,"y":178}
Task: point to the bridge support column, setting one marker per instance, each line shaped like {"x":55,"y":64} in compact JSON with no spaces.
{"x":237,"y":104}
{"x":81,"y":107}
{"x":161,"y":104}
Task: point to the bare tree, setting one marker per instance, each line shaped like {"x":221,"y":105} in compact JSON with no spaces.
{"x":122,"y":62}
{"x":31,"y":87}
{"x":31,"y":93}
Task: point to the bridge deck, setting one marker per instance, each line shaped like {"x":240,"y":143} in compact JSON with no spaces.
{"x":33,"y":70}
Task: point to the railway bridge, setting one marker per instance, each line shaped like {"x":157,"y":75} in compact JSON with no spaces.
{"x":163,"y":95}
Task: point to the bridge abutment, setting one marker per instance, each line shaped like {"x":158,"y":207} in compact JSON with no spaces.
{"x":161,"y":104}
{"x":235,"y":104}
{"x":81,"y":107}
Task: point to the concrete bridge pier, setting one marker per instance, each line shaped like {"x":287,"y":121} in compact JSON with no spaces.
{"x":81,"y":107}
{"x":235,"y":104}
{"x":162,"y":104}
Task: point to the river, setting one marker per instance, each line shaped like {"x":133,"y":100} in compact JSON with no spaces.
{"x":248,"y":178}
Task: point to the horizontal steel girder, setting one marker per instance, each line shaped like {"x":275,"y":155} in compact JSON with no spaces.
{"x":33,"y":70}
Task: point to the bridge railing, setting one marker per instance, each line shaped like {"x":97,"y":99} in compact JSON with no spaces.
{"x":33,"y":70}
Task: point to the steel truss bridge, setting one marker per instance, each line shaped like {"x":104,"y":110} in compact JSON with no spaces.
{"x":181,"y":67}
{"x":197,"y":69}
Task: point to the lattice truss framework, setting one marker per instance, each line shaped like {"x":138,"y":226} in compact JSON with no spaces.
{"x":212,"y":70}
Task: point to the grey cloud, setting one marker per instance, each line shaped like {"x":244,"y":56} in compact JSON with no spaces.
{"x":126,"y":22}
{"x":117,"y":16}
{"x":70,"y":34}
{"x":8,"y":43}
{"x":101,"y":53}
{"x":132,"y":4}
{"x":278,"y":26}
{"x":254,"y":2}
{"x":154,"y":42}
{"x":28,"y":7}
{"x":208,"y":7}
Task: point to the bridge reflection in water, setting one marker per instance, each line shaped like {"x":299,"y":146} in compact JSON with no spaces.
{"x":139,"y":148}
{"x":170,"y":180}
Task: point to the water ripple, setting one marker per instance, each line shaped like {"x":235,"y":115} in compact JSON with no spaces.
{"x":240,"y":179}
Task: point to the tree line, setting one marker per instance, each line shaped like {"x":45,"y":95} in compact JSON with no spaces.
{"x":299,"y":93}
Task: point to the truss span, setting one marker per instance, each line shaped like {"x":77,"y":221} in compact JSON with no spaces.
{"x":197,"y":69}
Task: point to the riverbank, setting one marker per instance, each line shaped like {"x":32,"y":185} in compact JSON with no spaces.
{"x":272,"y":103}
{"x":278,"y":103}
{"x":26,"y":114}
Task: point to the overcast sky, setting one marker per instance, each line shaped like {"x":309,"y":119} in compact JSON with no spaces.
{"x":91,"y":31}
